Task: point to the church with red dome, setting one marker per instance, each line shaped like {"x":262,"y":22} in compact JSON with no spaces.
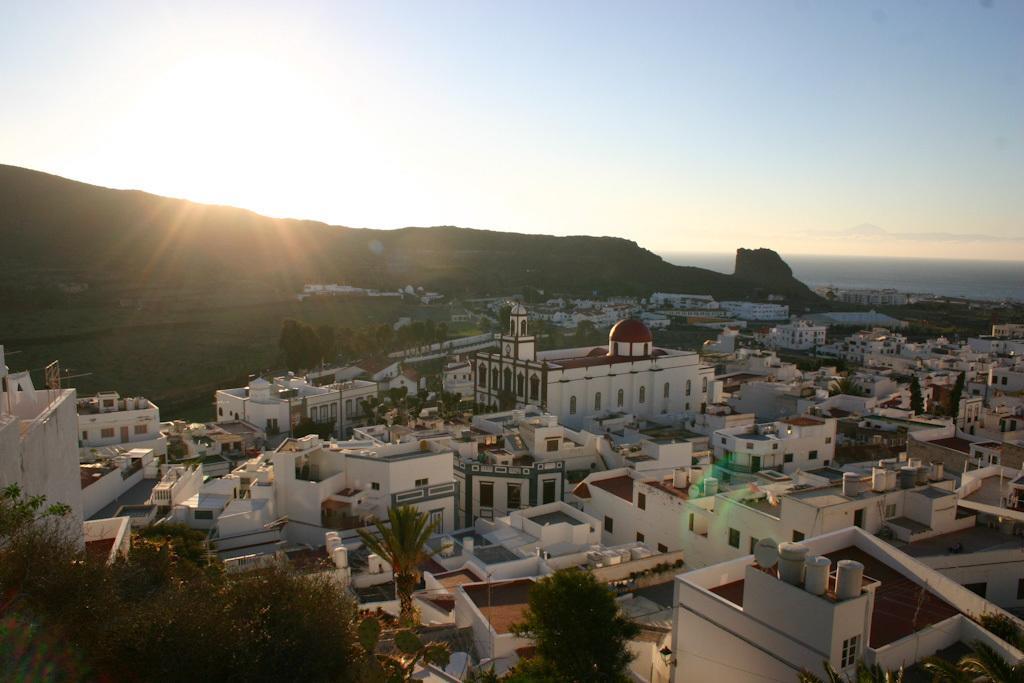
{"x":628,"y":376}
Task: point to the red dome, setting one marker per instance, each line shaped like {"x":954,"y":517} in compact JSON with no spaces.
{"x":630,"y":331}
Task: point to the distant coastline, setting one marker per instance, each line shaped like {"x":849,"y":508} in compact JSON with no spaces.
{"x":989,"y":280}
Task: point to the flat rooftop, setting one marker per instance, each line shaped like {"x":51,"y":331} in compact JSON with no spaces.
{"x":502,"y":604}
{"x":901,"y":606}
{"x":557,"y":517}
{"x":974,"y":540}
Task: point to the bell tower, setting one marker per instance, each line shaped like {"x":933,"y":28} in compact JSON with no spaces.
{"x":516,"y":342}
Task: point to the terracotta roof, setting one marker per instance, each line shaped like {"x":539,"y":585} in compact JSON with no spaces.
{"x":581,"y":491}
{"x":457,"y":577}
{"x":631,"y":331}
{"x":802,"y":421}
{"x":668,"y":488}
{"x":411,"y":373}
{"x":839,"y":412}
{"x":621,"y":486}
{"x":502,"y":604}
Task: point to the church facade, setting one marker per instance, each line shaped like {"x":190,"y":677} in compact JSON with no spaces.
{"x":631,"y":375}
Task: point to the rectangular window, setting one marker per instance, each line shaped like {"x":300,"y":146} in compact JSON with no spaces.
{"x":977,"y":588}
{"x":552,"y":445}
{"x":107,"y":432}
{"x":849,"y":655}
{"x":514,"y":496}
{"x":828,"y":439}
{"x":662,"y":548}
{"x":797,"y":536}
{"x":85,"y":435}
{"x":437,"y":517}
{"x":421,"y":482}
{"x":753,"y":543}
{"x":813,"y":455}
{"x":691,"y":521}
{"x":140,"y":429}
{"x":734,"y":538}
{"x":203,"y":514}
{"x":890,"y":510}
{"x":1020,"y":589}
{"x":641,"y":501}
{"x":609,"y":524}
{"x":788,"y":457}
{"x":375,"y":485}
{"x":639,"y":537}
{"x":487,"y":494}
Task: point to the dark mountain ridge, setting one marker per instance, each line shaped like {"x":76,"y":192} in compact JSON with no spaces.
{"x":98,"y":234}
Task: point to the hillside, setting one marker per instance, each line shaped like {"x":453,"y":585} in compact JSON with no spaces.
{"x":54,"y":226}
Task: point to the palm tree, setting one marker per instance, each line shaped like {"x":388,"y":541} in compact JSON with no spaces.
{"x":945,"y":671}
{"x":402,"y":543}
{"x":985,"y":664}
{"x":862,"y":674}
{"x":844,"y":385}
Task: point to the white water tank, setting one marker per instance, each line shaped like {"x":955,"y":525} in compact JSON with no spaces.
{"x":937,"y":471}
{"x":851,"y":484}
{"x":467,"y":545}
{"x":681,"y":478}
{"x":340,"y":557}
{"x":921,"y":475}
{"x":878,"y":479}
{"x":849,"y":576}
{"x":710,"y":486}
{"x":375,"y":564}
{"x":891,"y":480}
{"x":791,"y":562}
{"x":331,"y":540}
{"x":816,"y":570}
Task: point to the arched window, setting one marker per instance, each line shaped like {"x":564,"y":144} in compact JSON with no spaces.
{"x":597,"y":401}
{"x":704,"y":385}
{"x":482,"y":374}
{"x":508,"y":350}
{"x":572,"y":405}
{"x":534,"y":387}
{"x":689,"y":386}
{"x":620,"y":398}
{"x":494,"y":379}
{"x":507,"y":379}
{"x":512,"y":326}
{"x":522,"y":328}
{"x":520,"y":385}
{"x":220,"y":411}
{"x":666,"y":391}
{"x":643,"y":394}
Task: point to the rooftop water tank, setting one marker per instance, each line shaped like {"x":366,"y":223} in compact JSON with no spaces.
{"x":849,"y":577}
{"x":908,"y":476}
{"x":851,"y":484}
{"x":681,"y":478}
{"x":816,"y":570}
{"x":921,"y":475}
{"x":878,"y":479}
{"x":467,"y":545}
{"x":710,"y":486}
{"x":791,"y":562}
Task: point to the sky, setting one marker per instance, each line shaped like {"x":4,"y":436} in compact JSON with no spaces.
{"x":807,"y":127}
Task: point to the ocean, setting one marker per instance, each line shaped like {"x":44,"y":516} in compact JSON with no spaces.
{"x":989,"y":280}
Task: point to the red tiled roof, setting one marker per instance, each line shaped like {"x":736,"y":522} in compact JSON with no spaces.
{"x":630,"y":331}
{"x":581,"y":491}
{"x":668,"y":488}
{"x":621,"y":486}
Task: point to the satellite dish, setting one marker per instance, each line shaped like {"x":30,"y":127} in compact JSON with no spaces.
{"x":766,"y":553}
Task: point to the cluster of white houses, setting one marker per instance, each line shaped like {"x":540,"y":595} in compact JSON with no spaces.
{"x":715,"y":505}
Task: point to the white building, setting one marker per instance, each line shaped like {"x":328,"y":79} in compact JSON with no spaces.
{"x":690,"y":301}
{"x":793,"y":443}
{"x":867,"y":344}
{"x":631,"y":375}
{"x":799,"y":335}
{"x":106,"y":419}
{"x":751,"y":310}
{"x":839,"y":598}
{"x":278,"y":406}
{"x":458,"y":378}
{"x":865,"y":297}
{"x":39,"y":442}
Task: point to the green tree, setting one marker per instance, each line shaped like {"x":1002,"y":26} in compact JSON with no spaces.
{"x":328,"y":342}
{"x":954,"y":396}
{"x":845,"y":386}
{"x":402,"y":543}
{"x":985,"y":664}
{"x":388,"y":668}
{"x":916,"y":398}
{"x":862,"y":674}
{"x":579,"y":631}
